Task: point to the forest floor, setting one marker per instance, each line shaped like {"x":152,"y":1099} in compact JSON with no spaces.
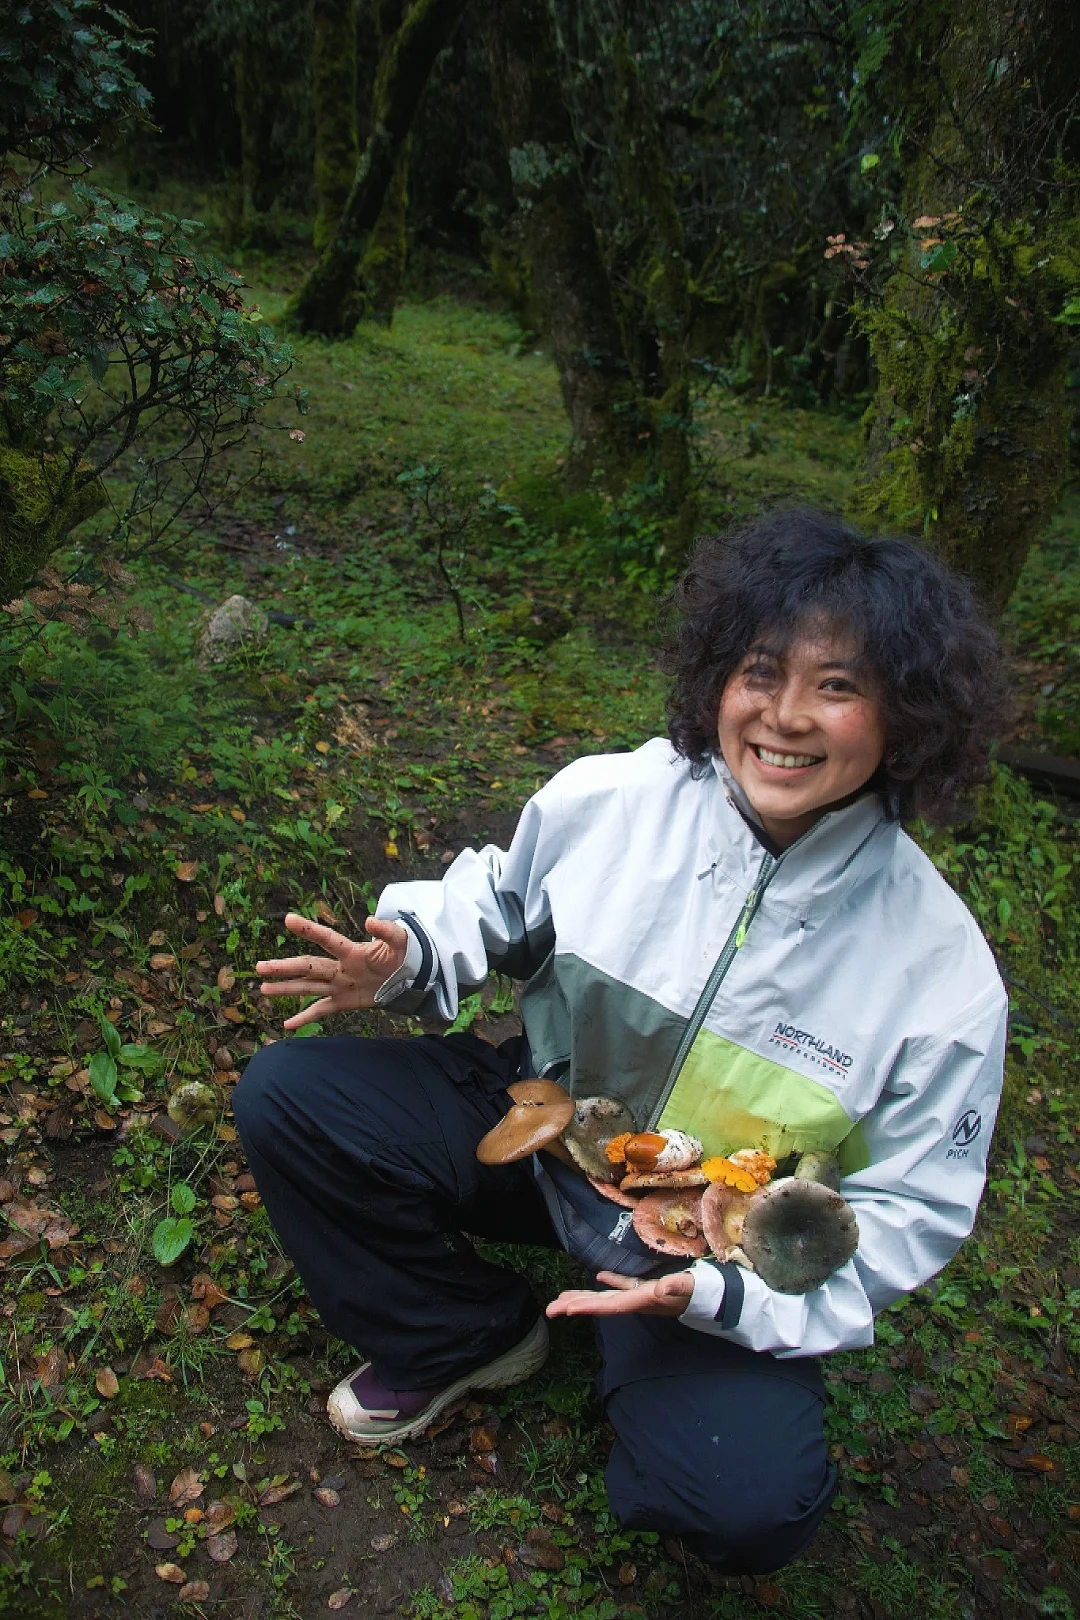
{"x":162,"y":1439}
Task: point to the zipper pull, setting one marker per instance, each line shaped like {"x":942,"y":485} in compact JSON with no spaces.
{"x":747,"y":913}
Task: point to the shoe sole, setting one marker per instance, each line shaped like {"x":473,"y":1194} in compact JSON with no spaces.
{"x":513,"y":1367}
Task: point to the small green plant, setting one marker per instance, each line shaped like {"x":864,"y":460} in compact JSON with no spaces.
{"x":174,"y":1232}
{"x":112,"y":1071}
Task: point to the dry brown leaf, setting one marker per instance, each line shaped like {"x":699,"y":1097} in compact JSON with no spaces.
{"x":325,"y":915}
{"x":225,"y":1201}
{"x":340,"y":1599}
{"x":220,"y":904}
{"x":145,"y":1482}
{"x":52,"y":1368}
{"x":250,"y":1362}
{"x":14,"y":1519}
{"x":193,"y":1592}
{"x":326,"y":1497}
{"x":274,"y":1494}
{"x":158,"y":1369}
{"x":196,"y":1318}
{"x":162,"y":960}
{"x":225,"y":1133}
{"x":206,"y":1290}
{"x":239,"y":1341}
{"x":186,"y":1487}
{"x":382,"y":1543}
{"x":170,"y":1572}
{"x":233,"y":1014}
{"x":157,"y":937}
{"x":158,"y":1538}
{"x":226,"y":978}
{"x":107,"y":1384}
{"x":222,"y":1547}
{"x":187,"y":871}
{"x":219,"y":1516}
{"x":482,"y":1439}
{"x":396,"y":1459}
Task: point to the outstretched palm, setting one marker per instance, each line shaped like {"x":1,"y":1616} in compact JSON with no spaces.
{"x":346,"y":978}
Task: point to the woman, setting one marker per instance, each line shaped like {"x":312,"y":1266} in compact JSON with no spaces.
{"x":730,"y":932}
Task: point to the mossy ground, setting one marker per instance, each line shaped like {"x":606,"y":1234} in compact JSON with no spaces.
{"x":363,"y":741}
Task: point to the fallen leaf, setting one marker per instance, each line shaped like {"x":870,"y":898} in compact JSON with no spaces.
{"x":627,"y":1574}
{"x":196,"y":1318}
{"x":396,"y":1459}
{"x":322,"y":747}
{"x":219,"y":906}
{"x":482,"y":1439}
{"x":158,"y":1026}
{"x":225,"y":1133}
{"x":193,"y":1592}
{"x":225,"y":1201}
{"x":340,"y":1599}
{"x":274,"y":1494}
{"x":159,"y":1539}
{"x":170,"y":1572}
{"x":226,"y":978}
{"x":1039,"y":1461}
{"x":14,"y":1519}
{"x":158,"y":1369}
{"x":382,"y":1543}
{"x":325,"y":915}
{"x":250,"y":1362}
{"x":239,"y":1341}
{"x":206,"y":1290}
{"x":238,"y":815}
{"x":233,"y":1014}
{"x":222,"y":1547}
{"x":162,"y":960}
{"x":25,"y":918}
{"x":107,"y":1384}
{"x":219,"y":1516}
{"x":326,"y":1497}
{"x":187,"y":871}
{"x":390,"y":850}
{"x":145,"y":1482}
{"x":52,"y":1368}
{"x":157,"y":937}
{"x":186,"y":1487}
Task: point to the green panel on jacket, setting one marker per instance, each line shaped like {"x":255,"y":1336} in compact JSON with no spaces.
{"x":731,"y":1098}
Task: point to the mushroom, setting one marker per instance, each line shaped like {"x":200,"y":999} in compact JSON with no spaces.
{"x":655,"y":1179}
{"x":540,"y":1113}
{"x":192,"y":1105}
{"x":796,"y":1233}
{"x":819,"y":1165}
{"x":723,"y":1212}
{"x":658,"y":1150}
{"x":608,"y":1189}
{"x":670,"y":1222}
{"x":594,"y":1121}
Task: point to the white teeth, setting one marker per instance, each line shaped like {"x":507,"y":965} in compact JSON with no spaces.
{"x":791,"y":761}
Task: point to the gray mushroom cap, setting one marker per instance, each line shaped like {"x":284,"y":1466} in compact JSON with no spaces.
{"x":797,"y":1233}
{"x":819,"y":1165}
{"x":191,"y":1105}
{"x":595,"y":1121}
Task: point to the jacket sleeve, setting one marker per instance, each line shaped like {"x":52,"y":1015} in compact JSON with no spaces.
{"x":928,"y":1137}
{"x":491,"y":910}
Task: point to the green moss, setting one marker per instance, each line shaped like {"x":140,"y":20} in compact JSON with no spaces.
{"x":40,"y":503}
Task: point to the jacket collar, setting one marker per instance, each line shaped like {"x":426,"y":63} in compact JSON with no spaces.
{"x":820,"y":868}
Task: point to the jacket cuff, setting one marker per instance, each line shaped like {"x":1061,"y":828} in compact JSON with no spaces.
{"x":716,"y":1303}
{"x":418,"y":970}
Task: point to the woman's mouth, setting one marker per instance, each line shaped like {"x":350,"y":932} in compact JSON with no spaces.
{"x":789,"y":762}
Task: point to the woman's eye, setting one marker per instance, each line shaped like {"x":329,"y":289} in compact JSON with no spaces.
{"x":837,"y":683}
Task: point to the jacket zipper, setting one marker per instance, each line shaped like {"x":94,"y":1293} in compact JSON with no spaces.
{"x":732,"y":944}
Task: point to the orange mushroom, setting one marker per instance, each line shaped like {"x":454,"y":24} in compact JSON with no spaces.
{"x":541,"y":1112}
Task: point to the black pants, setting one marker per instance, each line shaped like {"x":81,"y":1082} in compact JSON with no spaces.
{"x":364,"y":1152}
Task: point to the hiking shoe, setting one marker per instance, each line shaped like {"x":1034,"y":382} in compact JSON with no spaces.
{"x":361,"y":1408}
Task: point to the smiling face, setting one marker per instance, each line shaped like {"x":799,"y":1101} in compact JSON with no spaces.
{"x":800,"y":729}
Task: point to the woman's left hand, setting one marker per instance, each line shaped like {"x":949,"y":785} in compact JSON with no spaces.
{"x":666,"y":1296}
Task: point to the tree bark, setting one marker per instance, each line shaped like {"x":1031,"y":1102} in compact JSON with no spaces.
{"x":382,"y":268}
{"x":970,"y":438}
{"x":569,"y":274}
{"x":252,"y":77}
{"x":334,"y":107}
{"x":328,"y":301}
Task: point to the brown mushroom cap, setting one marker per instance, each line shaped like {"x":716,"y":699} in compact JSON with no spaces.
{"x":594,"y":1121}
{"x":723,"y":1214}
{"x":797,"y":1233}
{"x":656,"y":1179}
{"x":670,"y":1222}
{"x":541,"y":1112}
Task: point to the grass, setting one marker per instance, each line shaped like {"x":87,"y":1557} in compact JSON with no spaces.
{"x":159,"y":819}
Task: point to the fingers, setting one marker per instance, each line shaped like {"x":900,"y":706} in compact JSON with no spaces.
{"x":299,"y":987}
{"x":582,"y":1302}
{"x":318,"y":1009}
{"x":293,"y":967}
{"x":612,"y":1279}
{"x":328,"y":938}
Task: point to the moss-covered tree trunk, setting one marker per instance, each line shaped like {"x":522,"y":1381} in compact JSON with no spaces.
{"x":382,"y":268}
{"x":328,"y":301}
{"x":970,"y":438}
{"x":333,"y":95}
{"x":661,"y":324}
{"x":568,"y":271}
{"x":253,"y":85}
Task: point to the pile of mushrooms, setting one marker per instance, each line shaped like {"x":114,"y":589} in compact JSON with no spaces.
{"x":794,"y":1231}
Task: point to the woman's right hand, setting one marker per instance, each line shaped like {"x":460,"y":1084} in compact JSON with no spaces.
{"x":345,"y":979}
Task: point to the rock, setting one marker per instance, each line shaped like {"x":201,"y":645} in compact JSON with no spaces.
{"x":236,"y":623}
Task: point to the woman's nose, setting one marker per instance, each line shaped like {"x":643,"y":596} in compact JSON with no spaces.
{"x":787,"y":710}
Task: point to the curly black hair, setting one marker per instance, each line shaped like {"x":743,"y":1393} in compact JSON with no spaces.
{"x":937,"y":667}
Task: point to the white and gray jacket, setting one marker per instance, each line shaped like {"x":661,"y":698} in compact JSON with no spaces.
{"x":838,"y":996}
